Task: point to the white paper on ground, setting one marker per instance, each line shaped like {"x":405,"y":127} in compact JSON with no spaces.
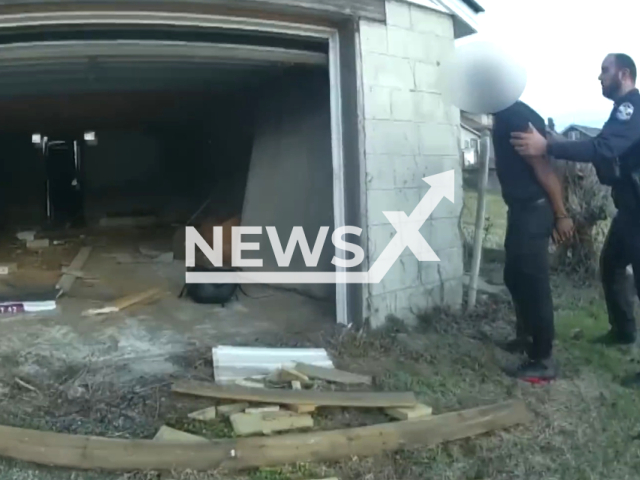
{"x":237,"y":363}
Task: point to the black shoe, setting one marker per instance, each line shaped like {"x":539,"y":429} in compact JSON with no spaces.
{"x":516,"y":346}
{"x":536,"y":371}
{"x":613,"y":338}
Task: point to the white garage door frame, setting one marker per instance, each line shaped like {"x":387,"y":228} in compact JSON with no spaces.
{"x":240,"y":23}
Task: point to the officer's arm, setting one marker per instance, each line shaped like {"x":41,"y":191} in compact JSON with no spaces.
{"x":615,"y":138}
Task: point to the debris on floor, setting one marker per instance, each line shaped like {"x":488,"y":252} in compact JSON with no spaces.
{"x":144,"y":221}
{"x":38,"y":244}
{"x":26,"y":236}
{"x":8,"y":268}
{"x":156,"y":253}
{"x":67,"y":279}
{"x":231,"y":364}
{"x":125,"y":302}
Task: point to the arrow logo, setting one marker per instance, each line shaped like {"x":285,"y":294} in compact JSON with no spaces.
{"x":408,"y":228}
{"x":407,"y":235}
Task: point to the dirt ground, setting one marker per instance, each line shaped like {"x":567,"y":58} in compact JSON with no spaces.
{"x":586,"y":424}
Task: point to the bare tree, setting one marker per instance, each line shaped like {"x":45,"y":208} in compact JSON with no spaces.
{"x":589,"y":204}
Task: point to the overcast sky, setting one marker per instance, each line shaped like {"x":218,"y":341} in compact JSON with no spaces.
{"x":562,"y":43}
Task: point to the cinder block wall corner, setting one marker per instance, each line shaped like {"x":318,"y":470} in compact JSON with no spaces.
{"x":410,"y":133}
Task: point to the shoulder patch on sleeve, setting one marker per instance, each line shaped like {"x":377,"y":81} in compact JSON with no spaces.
{"x":624,"y":111}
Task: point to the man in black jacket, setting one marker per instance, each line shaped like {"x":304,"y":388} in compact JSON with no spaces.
{"x":615,"y":153}
{"x":536,"y":212}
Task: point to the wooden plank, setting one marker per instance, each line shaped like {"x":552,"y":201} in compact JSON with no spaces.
{"x":302,"y":408}
{"x":269,"y":408}
{"x":268,"y":422}
{"x":419,"y":411}
{"x":291,"y":397}
{"x":66,"y":281}
{"x":375,"y":439}
{"x":230,"y":409}
{"x":84,"y":452}
{"x":286,"y":375}
{"x":332,"y":375}
{"x":38,"y":244}
{"x":168,"y":434}
{"x":204,"y":414}
{"x":249,"y":384}
{"x":125,"y":302}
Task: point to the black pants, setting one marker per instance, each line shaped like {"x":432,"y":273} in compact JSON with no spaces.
{"x":526,"y":273}
{"x":621,"y":249}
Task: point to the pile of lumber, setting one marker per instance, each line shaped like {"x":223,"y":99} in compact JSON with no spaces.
{"x":286,"y":399}
{"x":261,"y":411}
{"x":259,"y":414}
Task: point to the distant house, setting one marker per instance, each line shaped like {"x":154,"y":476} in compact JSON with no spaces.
{"x":471,"y":127}
{"x":579,"y":132}
{"x":470,"y":144}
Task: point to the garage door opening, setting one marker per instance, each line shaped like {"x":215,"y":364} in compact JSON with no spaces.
{"x":119,"y":144}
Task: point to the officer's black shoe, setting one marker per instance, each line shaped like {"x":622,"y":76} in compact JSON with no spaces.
{"x":536,"y":371}
{"x":516,"y":346}
{"x":615,"y":338}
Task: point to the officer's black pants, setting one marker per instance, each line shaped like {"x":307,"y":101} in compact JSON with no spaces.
{"x":526,"y":273}
{"x":621,"y":249}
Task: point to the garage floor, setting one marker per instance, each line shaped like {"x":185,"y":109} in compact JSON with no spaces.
{"x":146,"y":336}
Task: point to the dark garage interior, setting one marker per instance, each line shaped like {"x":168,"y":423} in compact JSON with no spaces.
{"x":118,"y":143}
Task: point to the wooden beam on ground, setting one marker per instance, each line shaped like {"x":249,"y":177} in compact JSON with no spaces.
{"x":82,"y":452}
{"x":126,"y":302}
{"x":297,"y":397}
{"x":332,"y":375}
{"x":66,"y":281}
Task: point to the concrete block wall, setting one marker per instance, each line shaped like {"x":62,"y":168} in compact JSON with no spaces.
{"x":410,"y":133}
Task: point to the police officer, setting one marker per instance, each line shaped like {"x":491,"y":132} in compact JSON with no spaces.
{"x":615,"y":153}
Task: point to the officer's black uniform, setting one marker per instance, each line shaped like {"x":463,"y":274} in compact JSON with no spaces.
{"x":530,"y":223}
{"x":615,"y":153}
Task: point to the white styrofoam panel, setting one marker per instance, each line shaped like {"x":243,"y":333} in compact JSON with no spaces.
{"x":236,"y":363}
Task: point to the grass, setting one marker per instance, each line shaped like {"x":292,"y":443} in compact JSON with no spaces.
{"x":586,"y":424}
{"x":586,"y":421}
{"x":495,"y":218}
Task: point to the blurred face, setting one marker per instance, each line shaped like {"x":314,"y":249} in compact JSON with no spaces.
{"x":610,"y":78}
